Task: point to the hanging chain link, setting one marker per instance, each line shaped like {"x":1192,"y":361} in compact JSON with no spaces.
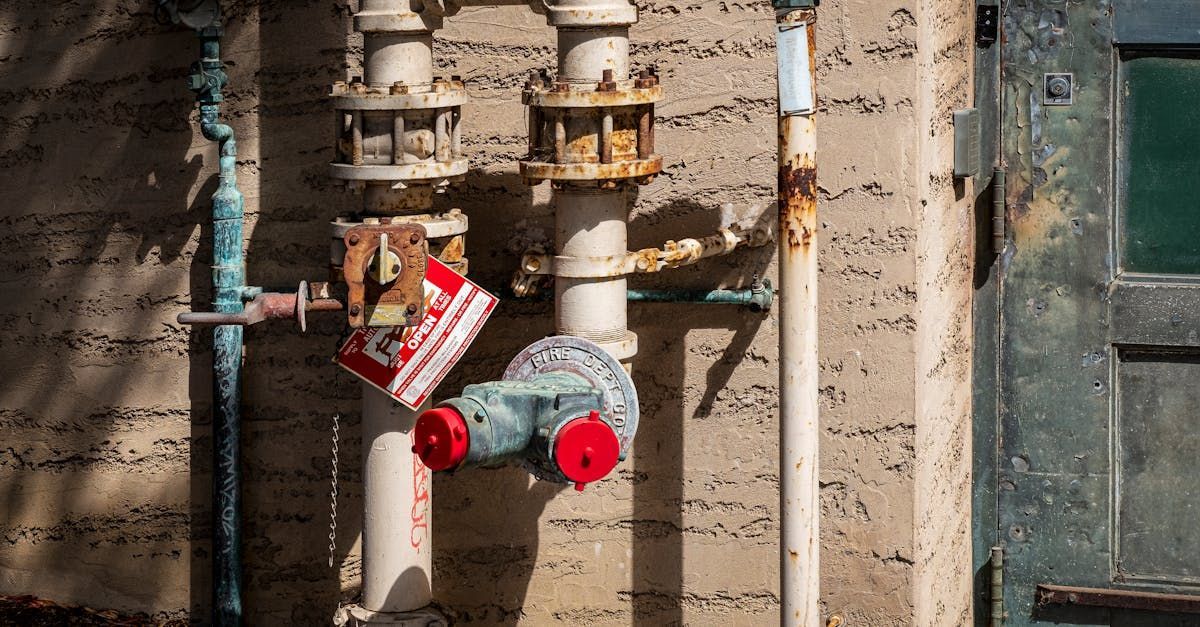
{"x":333,"y":454}
{"x":333,"y":491}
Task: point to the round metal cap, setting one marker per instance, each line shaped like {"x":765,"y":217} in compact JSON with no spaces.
{"x":586,"y":449}
{"x":441,"y":439}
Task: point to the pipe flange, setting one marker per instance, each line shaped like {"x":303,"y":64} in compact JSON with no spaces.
{"x":587,"y":96}
{"x":406,"y":173}
{"x":358,"y":616}
{"x":585,"y":14}
{"x":379,"y":100}
{"x":392,"y":22}
{"x":537,"y":171}
{"x":437,"y":225}
{"x":591,"y":362}
{"x":441,"y":225}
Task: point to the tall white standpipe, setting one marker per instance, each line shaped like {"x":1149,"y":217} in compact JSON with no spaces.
{"x":799,"y":430}
{"x":397,"y":540}
{"x":591,"y":223}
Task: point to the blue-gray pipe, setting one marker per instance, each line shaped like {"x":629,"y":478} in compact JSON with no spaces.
{"x":229,"y":287}
{"x":757,"y":298}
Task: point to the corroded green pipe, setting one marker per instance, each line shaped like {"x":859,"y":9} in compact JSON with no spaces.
{"x":757,"y":298}
{"x":229,"y":286}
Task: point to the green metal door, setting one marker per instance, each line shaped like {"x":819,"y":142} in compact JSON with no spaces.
{"x":1098,"y":473}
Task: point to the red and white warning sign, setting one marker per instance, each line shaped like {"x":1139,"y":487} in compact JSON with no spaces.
{"x":409,"y":363}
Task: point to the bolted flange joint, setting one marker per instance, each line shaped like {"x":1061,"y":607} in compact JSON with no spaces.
{"x":400,"y":135}
{"x":600,"y":133}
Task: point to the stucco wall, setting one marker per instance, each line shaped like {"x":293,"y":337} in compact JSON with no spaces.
{"x":945,"y":254}
{"x":104,"y":406}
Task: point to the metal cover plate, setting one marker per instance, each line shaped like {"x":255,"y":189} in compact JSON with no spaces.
{"x":1155,"y":22}
{"x":563,"y":353}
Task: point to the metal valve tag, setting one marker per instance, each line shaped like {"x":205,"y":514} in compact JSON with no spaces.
{"x":409,"y":362}
{"x":563,"y":353}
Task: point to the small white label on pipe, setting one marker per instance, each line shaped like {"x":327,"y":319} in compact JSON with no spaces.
{"x":795,"y":73}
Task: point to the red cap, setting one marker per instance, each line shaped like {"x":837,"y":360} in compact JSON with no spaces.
{"x":440,"y":438}
{"x":586,"y":449}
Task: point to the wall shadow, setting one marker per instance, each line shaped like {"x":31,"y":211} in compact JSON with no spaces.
{"x":97,"y":227}
{"x":292,"y":390}
{"x":486,"y":521}
{"x":658,"y":475}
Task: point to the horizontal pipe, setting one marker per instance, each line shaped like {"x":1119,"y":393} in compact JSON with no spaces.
{"x":756,"y":298}
{"x":759,"y":299}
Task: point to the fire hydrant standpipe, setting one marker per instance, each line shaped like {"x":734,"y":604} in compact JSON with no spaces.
{"x":552,"y":422}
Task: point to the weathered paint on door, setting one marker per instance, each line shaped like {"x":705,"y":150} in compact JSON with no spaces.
{"x":1098,"y":480}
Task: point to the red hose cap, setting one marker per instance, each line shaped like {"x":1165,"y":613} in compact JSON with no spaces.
{"x":441,"y":439}
{"x":586,"y":449}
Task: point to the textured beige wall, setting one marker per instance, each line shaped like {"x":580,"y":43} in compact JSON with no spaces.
{"x":104,"y":406}
{"x":945,"y":253}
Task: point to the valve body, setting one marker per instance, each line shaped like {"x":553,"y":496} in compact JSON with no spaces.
{"x":563,"y":411}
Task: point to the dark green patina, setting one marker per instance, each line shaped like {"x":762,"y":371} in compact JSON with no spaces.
{"x":985,"y":308}
{"x":229,"y":286}
{"x":1160,"y":137}
{"x":517,"y":420}
{"x":1095,"y":472}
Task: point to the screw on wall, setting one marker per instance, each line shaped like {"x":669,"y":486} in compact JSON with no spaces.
{"x":1058,"y":89}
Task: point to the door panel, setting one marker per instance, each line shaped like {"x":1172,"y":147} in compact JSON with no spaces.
{"x":1160,"y":133}
{"x":1158,"y":500}
{"x":1097,"y":484}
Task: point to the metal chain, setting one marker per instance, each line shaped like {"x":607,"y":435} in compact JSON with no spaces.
{"x":333,"y":454}
{"x":333,"y":491}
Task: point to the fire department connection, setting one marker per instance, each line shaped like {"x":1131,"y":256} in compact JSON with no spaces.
{"x":566,"y":408}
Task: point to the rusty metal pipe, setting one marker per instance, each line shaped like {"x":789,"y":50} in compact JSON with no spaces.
{"x":606,"y":136}
{"x":265,"y":306}
{"x":645,"y":141}
{"x":1050,"y":594}
{"x":798,"y":368}
{"x":356,"y":138}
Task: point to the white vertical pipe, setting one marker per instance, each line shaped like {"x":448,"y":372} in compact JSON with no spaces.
{"x":390,"y":58}
{"x":397,"y":547}
{"x":584,"y":53}
{"x":591,"y":223}
{"x":397,"y":538}
{"x":798,"y":400}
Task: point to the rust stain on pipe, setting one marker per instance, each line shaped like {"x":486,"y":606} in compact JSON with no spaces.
{"x":797,"y":201}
